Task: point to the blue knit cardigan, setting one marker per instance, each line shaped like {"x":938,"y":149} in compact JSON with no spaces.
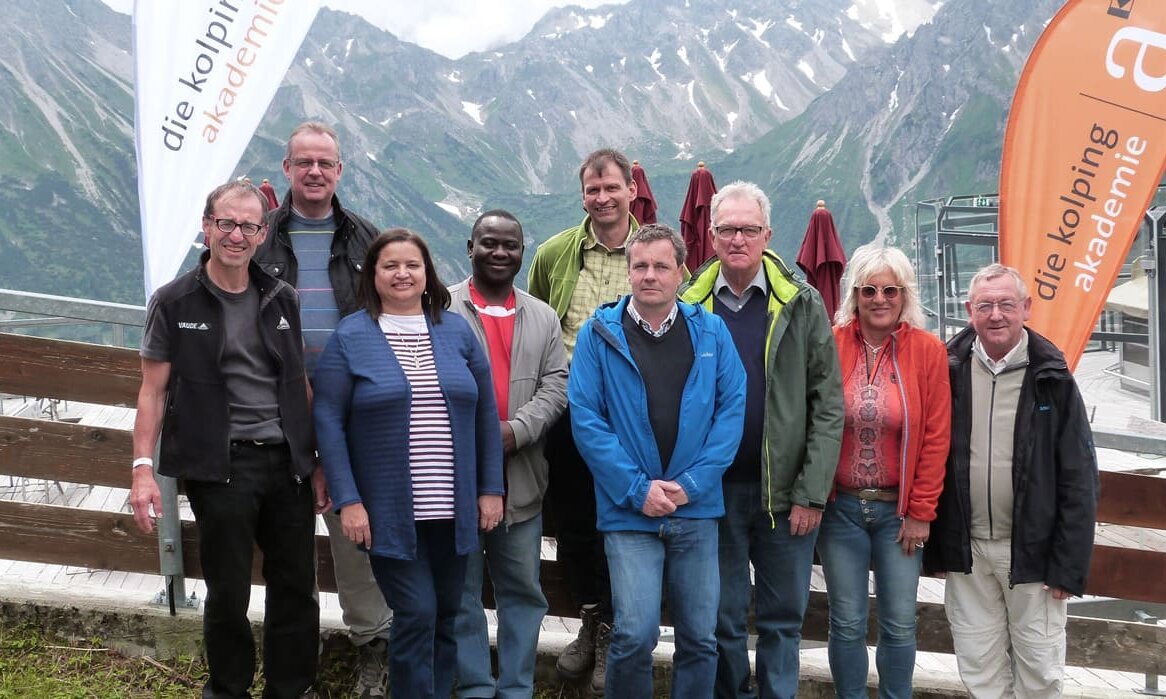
{"x":361,"y":411}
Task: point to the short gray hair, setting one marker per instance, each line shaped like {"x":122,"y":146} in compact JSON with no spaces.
{"x":234,"y":188}
{"x":740,"y":190}
{"x":995,"y":270}
{"x":872,"y":259}
{"x":316,"y":127}
{"x":651,"y":233}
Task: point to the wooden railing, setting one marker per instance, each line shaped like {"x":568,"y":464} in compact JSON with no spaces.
{"x":74,"y":453}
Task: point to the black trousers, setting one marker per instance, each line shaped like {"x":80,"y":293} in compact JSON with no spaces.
{"x":260,"y":504}
{"x":579,"y":544}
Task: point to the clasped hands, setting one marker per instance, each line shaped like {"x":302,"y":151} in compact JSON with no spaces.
{"x":663,"y":498}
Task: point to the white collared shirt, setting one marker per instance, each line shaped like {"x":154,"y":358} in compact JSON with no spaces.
{"x":725,"y":293}
{"x":1018,"y":352}
{"x":664,"y":327}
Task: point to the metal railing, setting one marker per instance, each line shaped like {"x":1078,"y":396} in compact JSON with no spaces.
{"x":50,"y":310}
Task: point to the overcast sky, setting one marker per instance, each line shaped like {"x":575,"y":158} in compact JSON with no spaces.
{"x":450,"y":27}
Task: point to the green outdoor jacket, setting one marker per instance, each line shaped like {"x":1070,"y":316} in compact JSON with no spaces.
{"x":556,"y":264}
{"x":803,"y":388}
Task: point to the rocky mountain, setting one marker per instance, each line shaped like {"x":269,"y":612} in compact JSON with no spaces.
{"x":867,"y":103}
{"x":924,"y":119}
{"x":68,"y":187}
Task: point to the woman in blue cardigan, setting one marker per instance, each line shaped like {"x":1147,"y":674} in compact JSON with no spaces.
{"x":408,"y":434}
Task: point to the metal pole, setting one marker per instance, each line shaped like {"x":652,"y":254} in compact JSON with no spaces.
{"x":1151,"y":688}
{"x":170,"y":544}
{"x":170,"y":540}
{"x":1156,"y":324}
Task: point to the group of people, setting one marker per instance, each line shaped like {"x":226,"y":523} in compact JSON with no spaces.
{"x":685,"y":427}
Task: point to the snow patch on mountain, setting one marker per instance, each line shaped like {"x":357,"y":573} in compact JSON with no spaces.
{"x":474,"y":110}
{"x":847,"y":50}
{"x":807,"y":70}
{"x":891,"y":19}
{"x":723,"y":58}
{"x":654,"y":61}
{"x":692,"y":97}
{"x":760,"y":82}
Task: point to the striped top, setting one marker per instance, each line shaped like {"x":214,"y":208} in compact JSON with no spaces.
{"x":430,"y":442}
{"x":311,"y":241}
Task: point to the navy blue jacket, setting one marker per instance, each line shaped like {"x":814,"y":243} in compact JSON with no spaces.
{"x":361,"y":411}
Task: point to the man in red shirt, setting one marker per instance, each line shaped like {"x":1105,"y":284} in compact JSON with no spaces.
{"x":529,"y":365}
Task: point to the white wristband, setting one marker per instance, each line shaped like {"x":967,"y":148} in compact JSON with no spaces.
{"x":144,"y":461}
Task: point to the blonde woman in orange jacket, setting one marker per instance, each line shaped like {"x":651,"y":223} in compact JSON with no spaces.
{"x":897,"y":433}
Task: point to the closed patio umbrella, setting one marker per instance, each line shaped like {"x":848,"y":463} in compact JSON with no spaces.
{"x":644,"y":205}
{"x":695,"y":217}
{"x":822,"y":258}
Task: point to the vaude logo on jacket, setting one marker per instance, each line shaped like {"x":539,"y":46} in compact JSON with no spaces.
{"x":192,"y":326}
{"x":283,"y":324}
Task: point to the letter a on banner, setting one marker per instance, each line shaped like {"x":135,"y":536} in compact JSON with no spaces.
{"x":1084,"y":150}
{"x":204,"y":73}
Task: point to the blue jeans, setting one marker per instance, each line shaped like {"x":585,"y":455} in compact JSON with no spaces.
{"x":513,"y":554}
{"x":680,"y":557}
{"x":782,"y":564}
{"x":856,"y":534}
{"x":424,"y":594}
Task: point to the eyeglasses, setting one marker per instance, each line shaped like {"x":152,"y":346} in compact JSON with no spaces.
{"x":228,"y":226}
{"x":889,"y":292}
{"x":730,"y":232}
{"x":1006,"y":307}
{"x":307,"y":163}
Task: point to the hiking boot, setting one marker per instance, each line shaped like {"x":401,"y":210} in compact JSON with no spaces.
{"x":599,"y":674}
{"x":371,"y":678}
{"x":579,"y":655}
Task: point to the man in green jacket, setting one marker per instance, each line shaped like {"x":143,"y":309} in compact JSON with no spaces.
{"x":777,"y":486}
{"x":576,"y":271}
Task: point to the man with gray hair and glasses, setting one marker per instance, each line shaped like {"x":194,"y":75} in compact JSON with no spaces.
{"x":318,"y":247}
{"x":1014,"y":526}
{"x":777,"y":486}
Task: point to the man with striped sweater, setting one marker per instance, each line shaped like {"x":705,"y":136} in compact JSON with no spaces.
{"x":318,"y":247}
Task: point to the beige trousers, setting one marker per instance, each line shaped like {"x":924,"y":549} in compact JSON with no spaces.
{"x":1009,"y":642}
{"x":363,"y":605}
